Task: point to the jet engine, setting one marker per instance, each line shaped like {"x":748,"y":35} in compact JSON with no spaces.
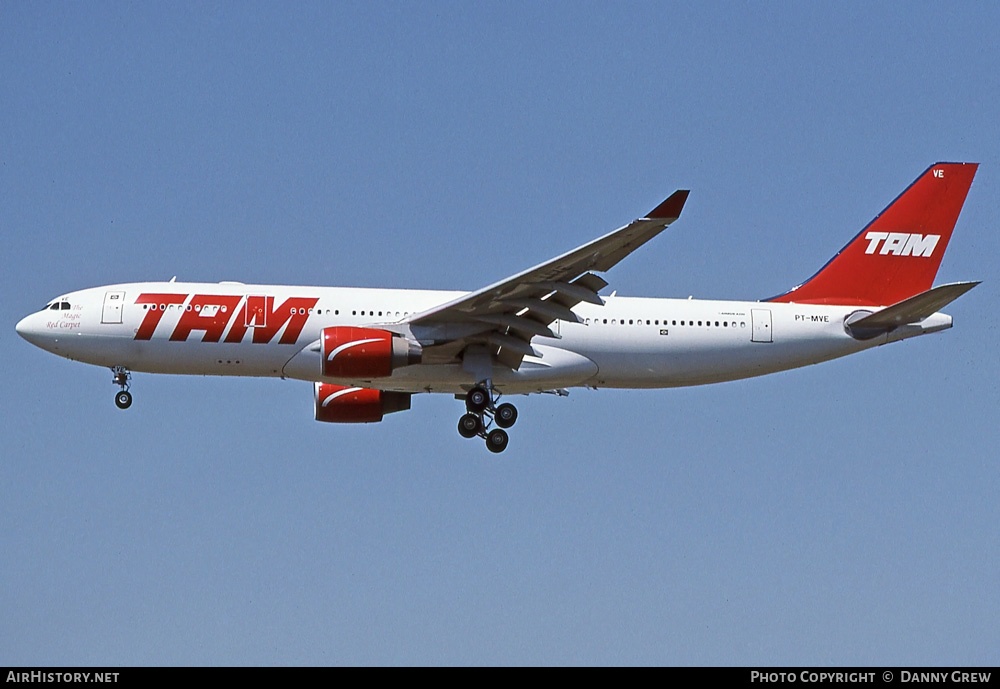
{"x":341,"y":404}
{"x":365,"y":353}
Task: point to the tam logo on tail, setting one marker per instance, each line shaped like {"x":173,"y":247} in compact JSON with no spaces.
{"x":876,"y":268}
{"x":901,"y":243}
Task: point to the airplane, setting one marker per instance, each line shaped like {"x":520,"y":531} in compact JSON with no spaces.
{"x":544,"y":330}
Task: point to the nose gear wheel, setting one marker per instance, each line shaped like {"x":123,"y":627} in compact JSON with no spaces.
{"x":122,"y":378}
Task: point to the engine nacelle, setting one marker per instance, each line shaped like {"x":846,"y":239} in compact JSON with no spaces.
{"x":341,"y":404}
{"x":365,"y":353}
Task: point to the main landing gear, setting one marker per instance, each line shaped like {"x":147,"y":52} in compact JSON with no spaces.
{"x":122,"y":376}
{"x":482,"y":412}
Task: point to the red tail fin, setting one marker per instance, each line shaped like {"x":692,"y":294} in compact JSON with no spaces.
{"x":897,"y":255}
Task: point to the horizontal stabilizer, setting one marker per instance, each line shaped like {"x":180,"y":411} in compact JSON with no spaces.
{"x":914,"y":309}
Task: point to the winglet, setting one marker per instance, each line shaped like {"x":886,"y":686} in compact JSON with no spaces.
{"x":671,"y":208}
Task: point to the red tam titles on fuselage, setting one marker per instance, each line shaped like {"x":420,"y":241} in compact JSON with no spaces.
{"x":211,"y":313}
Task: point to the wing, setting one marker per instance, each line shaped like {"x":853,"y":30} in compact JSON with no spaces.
{"x":506,"y":315}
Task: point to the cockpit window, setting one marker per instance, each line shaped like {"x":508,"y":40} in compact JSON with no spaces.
{"x":54,"y":307}
{"x":64,"y":306}
{"x":57,"y":306}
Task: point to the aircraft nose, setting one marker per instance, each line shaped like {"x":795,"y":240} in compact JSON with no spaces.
{"x":22,"y":326}
{"x":27,"y":328}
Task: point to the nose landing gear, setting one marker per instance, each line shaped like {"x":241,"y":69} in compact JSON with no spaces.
{"x":122,"y":376}
{"x":482,"y":412}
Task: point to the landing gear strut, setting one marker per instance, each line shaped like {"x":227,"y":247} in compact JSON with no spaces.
{"x":482,"y":412}
{"x":122,"y":376}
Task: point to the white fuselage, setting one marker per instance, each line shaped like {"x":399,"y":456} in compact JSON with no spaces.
{"x":266,"y":330}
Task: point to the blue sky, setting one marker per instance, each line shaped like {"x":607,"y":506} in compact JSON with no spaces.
{"x":840,"y":514}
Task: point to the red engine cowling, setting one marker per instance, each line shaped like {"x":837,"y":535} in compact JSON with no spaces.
{"x":340,"y":404}
{"x":365,"y":353}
